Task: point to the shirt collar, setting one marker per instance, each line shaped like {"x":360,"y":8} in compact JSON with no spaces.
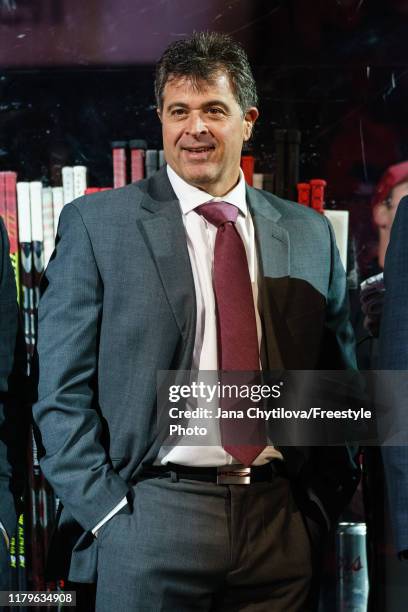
{"x":190,"y":197}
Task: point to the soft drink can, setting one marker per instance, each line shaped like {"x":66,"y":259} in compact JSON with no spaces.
{"x":352,"y":572}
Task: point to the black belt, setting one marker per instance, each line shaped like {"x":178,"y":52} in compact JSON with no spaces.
{"x":227,"y":474}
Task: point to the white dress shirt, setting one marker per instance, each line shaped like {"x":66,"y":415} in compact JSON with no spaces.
{"x":200,"y":235}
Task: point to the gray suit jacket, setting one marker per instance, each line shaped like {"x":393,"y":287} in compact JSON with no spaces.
{"x":118,"y":304}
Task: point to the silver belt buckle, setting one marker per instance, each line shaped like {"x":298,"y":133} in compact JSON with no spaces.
{"x":230,"y":475}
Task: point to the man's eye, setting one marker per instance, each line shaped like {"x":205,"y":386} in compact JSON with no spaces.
{"x":178,"y":112}
{"x":213,"y":110}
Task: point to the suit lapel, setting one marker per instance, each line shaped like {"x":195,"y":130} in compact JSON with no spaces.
{"x":273,"y":247}
{"x":272,"y":239}
{"x":163,"y":229}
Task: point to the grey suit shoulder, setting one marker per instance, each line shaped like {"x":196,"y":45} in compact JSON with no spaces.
{"x":158,"y":188}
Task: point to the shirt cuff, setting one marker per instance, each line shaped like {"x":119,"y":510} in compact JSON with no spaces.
{"x":116,"y":509}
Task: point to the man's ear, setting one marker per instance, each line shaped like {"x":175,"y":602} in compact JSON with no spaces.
{"x":158,"y":111}
{"x":251,"y":116}
{"x":381,"y":215}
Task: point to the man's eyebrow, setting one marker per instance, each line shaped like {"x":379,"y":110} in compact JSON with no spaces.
{"x":217,"y":103}
{"x":179,"y":104}
{"x":204,"y":105}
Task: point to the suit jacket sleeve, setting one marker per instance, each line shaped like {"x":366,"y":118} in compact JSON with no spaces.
{"x":338,"y":348}
{"x":393,"y":355}
{"x":74,"y":459}
{"x":335,"y":472}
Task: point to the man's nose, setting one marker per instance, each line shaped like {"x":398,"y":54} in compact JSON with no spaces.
{"x":196,"y":124}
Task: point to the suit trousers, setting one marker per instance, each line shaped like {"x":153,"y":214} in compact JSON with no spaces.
{"x":187,"y":545}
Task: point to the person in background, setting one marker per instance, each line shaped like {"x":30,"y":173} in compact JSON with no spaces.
{"x":367,"y":303}
{"x":13,"y":421}
{"x":391,"y":188}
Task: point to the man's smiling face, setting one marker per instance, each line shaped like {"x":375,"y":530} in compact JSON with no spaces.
{"x":203,"y":131}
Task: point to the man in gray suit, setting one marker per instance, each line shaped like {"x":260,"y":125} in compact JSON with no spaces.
{"x":137,"y":284}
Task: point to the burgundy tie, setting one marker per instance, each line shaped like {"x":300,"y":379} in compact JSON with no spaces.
{"x":237,"y":337}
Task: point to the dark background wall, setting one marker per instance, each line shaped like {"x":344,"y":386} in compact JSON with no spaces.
{"x":75,"y":75}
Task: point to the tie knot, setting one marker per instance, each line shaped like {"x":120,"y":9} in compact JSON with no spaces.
{"x":218,"y":213}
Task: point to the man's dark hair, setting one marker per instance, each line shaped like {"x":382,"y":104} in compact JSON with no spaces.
{"x":201,"y":58}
